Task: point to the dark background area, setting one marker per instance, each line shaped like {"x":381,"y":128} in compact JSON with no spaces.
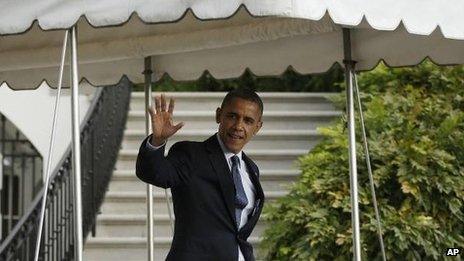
{"x":289,"y":81}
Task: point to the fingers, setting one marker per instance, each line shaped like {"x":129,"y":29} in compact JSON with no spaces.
{"x":158,"y":104}
{"x":163,"y":103}
{"x":171,"y":106}
{"x":178,"y":126}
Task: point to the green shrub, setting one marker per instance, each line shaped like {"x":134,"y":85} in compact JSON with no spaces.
{"x":415,"y":127}
{"x":289,"y":81}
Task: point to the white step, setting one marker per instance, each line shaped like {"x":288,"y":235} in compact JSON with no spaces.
{"x":130,"y":248}
{"x":120,"y":205}
{"x":124,"y":225}
{"x":272,"y":101}
{"x":272,"y":120}
{"x":123,"y":248}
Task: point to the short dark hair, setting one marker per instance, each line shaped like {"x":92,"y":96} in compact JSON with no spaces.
{"x":245,"y":94}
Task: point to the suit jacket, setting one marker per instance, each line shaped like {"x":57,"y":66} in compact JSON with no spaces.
{"x":203,"y":195}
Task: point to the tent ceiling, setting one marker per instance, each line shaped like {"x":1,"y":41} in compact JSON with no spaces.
{"x":264,"y":36}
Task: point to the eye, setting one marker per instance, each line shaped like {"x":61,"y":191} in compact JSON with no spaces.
{"x":249,"y":121}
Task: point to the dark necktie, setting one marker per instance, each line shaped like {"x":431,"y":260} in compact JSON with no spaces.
{"x":240,"y":197}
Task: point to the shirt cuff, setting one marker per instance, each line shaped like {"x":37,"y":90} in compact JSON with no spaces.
{"x":153,"y":147}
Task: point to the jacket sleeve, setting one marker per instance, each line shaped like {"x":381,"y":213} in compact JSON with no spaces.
{"x":154,"y":168}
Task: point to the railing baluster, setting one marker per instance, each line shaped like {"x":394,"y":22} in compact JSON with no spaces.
{"x":53,"y":217}
{"x":62,"y":224}
{"x":71,"y":217}
{"x":23,"y":186}
{"x":10,"y":194}
{"x":58,"y":220}
{"x":47,"y":218}
{"x":67,"y":219}
{"x":100,"y":135}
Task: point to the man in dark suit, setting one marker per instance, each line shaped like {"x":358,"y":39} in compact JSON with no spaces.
{"x":215,"y":188}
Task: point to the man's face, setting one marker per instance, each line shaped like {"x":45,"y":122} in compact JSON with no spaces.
{"x":239,"y":121}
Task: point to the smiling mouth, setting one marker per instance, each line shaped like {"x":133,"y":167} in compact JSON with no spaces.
{"x":234,"y":137}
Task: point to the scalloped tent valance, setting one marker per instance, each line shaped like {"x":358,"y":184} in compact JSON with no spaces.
{"x":185,"y":38}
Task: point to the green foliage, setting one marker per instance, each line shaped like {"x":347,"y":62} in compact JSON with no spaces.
{"x":415,"y":127}
{"x":290,"y":81}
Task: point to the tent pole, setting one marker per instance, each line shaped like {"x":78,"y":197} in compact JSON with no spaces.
{"x":76,"y":149}
{"x":369,"y":168}
{"x":150,"y":236}
{"x":349,"y":72}
{"x":50,"y":149}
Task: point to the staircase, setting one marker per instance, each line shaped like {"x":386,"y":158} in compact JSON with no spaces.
{"x":289,"y":131}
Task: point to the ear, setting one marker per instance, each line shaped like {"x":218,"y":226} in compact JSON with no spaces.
{"x":218,"y":115}
{"x":260,"y":124}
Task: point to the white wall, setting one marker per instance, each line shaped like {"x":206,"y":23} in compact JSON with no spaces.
{"x":31,"y":111}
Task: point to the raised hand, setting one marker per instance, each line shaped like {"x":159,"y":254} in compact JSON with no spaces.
{"x":161,"y":120}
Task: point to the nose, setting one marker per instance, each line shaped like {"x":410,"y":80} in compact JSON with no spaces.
{"x":239,"y":124}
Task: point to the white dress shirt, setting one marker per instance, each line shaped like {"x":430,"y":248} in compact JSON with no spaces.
{"x":246,"y":182}
{"x":247,"y":186}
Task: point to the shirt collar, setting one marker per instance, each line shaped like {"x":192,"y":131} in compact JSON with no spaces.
{"x":228,"y":154}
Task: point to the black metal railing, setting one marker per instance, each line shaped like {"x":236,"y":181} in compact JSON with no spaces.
{"x":101,"y":136}
{"x":20,"y":175}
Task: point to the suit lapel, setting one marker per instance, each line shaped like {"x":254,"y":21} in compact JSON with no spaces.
{"x":259,"y":200}
{"x":221,"y":168}
{"x":218,"y":161}
{"x":254,"y":176}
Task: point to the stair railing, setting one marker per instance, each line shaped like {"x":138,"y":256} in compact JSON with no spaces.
{"x":101,"y":136}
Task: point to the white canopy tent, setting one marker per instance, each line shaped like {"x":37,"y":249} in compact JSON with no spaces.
{"x":225,"y":37}
{"x":183,"y":38}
